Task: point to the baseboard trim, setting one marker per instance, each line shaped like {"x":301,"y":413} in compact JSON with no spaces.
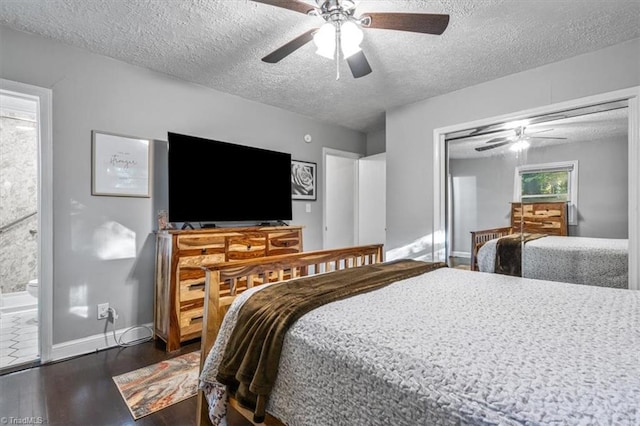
{"x":97,"y":342}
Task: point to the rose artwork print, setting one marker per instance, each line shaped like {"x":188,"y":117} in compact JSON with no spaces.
{"x":303,"y":180}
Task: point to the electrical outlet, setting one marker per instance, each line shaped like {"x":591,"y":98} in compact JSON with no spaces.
{"x":103,"y":311}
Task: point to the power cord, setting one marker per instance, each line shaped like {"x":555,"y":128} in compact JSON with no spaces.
{"x":114,"y":317}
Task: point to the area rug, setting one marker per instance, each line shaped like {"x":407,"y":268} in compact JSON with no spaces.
{"x":160,"y":385}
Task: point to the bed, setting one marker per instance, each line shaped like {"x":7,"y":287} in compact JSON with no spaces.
{"x":537,"y":218}
{"x":446,"y":346}
{"x":548,"y":251}
{"x":579,"y":260}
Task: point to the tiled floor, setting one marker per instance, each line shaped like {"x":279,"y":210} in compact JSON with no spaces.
{"x":18,"y":338}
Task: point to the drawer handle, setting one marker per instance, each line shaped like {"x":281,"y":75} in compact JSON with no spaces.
{"x":196,"y":320}
{"x":249,"y":247}
{"x":196,"y":286}
{"x":203,"y":251}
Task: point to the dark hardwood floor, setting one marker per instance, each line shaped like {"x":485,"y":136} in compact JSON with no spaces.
{"x":80,"y":391}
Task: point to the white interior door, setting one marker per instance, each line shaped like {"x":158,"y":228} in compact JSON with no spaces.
{"x":372,"y":199}
{"x":340,"y":199}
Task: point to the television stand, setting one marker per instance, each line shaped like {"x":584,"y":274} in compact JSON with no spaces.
{"x":180,"y":256}
{"x":187,"y":225}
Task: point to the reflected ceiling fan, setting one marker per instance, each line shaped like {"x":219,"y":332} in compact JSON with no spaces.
{"x":520,"y":139}
{"x":341,"y":34}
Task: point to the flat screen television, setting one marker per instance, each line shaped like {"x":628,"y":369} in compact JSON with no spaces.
{"x":214,"y":181}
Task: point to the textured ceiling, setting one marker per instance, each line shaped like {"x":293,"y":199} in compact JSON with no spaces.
{"x":603,"y":125}
{"x":219,"y":44}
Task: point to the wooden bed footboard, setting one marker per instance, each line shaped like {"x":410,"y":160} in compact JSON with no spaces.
{"x":224,"y":282}
{"x":478,"y":238}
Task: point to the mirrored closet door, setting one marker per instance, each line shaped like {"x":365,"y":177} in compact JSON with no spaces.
{"x":553,"y":185}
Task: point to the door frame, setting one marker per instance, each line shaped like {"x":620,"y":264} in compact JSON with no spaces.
{"x":345,"y":154}
{"x":43,"y":98}
{"x":631,"y":94}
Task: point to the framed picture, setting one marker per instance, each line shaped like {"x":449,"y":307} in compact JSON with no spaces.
{"x":303,"y":180}
{"x":120,"y":165}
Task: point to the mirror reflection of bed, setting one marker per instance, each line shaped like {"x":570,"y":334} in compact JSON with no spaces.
{"x":482,"y":186}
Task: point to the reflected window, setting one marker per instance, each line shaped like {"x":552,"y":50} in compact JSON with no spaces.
{"x":549,"y":182}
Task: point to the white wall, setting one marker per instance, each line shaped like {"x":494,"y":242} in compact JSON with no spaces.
{"x":92,"y":92}
{"x":409,"y":129}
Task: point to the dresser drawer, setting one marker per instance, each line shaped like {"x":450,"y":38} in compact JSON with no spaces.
{"x":191,"y":322}
{"x":284,"y":242}
{"x":247,"y":246}
{"x":206,"y":259}
{"x":192,"y":289}
{"x":202,"y":241}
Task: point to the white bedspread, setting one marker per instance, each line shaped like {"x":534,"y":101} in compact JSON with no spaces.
{"x":459,"y":347}
{"x":579,"y":260}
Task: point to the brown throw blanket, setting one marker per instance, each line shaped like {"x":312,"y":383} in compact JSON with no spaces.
{"x":250,"y":362}
{"x":509,"y":253}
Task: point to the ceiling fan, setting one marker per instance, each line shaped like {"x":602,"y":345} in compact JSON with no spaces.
{"x":520,"y":139}
{"x":342,"y":30}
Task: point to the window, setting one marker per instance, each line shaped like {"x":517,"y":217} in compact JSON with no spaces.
{"x":547,"y":183}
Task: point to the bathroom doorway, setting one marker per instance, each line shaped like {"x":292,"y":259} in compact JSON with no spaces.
{"x":24,"y":149}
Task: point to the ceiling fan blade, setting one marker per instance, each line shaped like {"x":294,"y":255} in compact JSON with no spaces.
{"x":485,"y":148}
{"x":359,"y":65}
{"x":539,"y":131}
{"x":428,"y":23}
{"x":286,"y":49}
{"x":296,"y":6}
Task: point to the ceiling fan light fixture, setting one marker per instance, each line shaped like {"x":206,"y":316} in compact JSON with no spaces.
{"x":325,"y":40}
{"x":350,"y":38}
{"x":520,"y":145}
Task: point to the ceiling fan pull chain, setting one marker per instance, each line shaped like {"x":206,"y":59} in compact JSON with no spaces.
{"x":337,"y":55}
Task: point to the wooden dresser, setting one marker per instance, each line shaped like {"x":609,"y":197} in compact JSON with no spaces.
{"x":179,"y":291}
{"x":543,"y":218}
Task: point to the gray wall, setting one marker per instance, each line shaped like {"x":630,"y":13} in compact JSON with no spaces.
{"x":376,"y":142}
{"x":492,"y":181}
{"x":92,"y":92}
{"x":602,"y":189}
{"x":409,"y":141}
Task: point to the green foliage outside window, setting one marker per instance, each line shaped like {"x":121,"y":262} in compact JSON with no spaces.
{"x":545,"y":186}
